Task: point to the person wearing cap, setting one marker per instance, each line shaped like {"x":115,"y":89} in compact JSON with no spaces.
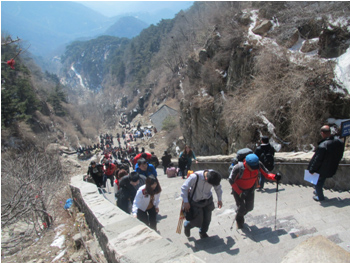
{"x":326,"y":159}
{"x":243,"y":179}
{"x":196,"y":193}
{"x":128,"y":186}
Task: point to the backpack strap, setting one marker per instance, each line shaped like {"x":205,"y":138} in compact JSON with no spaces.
{"x":194,"y":189}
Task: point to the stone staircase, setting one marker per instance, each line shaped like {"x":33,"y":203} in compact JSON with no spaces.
{"x":298,"y":219}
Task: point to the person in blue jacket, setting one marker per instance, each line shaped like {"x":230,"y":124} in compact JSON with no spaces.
{"x":189,"y":154}
{"x":142,"y":167}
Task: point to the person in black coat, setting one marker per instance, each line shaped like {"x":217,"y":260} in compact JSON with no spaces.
{"x":166,"y":160}
{"x":128,"y":187}
{"x":96,"y":172}
{"x":326,"y":159}
{"x":266,"y":154}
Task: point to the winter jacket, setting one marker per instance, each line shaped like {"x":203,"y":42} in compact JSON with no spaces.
{"x":110,"y":169}
{"x":142,"y":200}
{"x":126,"y":189}
{"x":97,"y":171}
{"x":188,"y":157}
{"x":327,"y":157}
{"x":241,"y":178}
{"x":166,"y":159}
{"x":150,"y":170}
{"x":154,"y":161}
{"x":265,"y":148}
{"x":137,"y":157}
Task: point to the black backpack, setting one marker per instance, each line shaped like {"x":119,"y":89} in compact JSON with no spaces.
{"x":268,"y":160}
{"x":241,"y":154}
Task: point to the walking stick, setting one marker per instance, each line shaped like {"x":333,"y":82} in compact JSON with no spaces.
{"x":181,"y":219}
{"x":234,"y":219}
{"x":276,"y":203}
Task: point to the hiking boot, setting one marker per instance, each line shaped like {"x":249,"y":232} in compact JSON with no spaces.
{"x":187,"y":231}
{"x":203,"y":235}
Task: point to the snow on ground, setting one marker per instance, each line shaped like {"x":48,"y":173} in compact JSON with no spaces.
{"x":78,"y":75}
{"x":342,"y":70}
{"x":59,"y":239}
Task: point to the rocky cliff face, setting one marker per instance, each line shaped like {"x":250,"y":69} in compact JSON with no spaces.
{"x":210,"y":130}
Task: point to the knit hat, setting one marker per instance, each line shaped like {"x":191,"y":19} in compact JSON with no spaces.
{"x":253,"y":161}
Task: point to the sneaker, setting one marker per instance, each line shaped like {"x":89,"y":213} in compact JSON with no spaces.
{"x":239,"y":226}
{"x":317,"y":199}
{"x":187,"y":232}
{"x":203,"y":235}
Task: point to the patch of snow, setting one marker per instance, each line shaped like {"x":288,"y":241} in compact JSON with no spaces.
{"x":298,"y":44}
{"x":204,"y":93}
{"x":181,"y":88}
{"x":271,"y":130}
{"x":78,"y":75}
{"x":251,"y":35}
{"x":342,"y":70}
{"x":339,"y":22}
{"x":223,"y":94}
{"x":59,"y":255}
{"x":59,"y":241}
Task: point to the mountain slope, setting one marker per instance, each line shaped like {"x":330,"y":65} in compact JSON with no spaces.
{"x":48,"y":24}
{"x":126,"y":27}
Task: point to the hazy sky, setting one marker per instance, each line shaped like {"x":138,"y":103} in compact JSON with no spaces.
{"x":113,"y":8}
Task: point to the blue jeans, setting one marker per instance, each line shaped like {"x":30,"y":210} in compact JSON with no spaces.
{"x":262,"y":181}
{"x":318,"y":188}
{"x":105,"y":177}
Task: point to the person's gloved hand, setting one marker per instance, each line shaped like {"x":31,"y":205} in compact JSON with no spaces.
{"x":278,"y":176}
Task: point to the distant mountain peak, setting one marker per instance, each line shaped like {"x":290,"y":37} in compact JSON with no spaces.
{"x":127,"y":26}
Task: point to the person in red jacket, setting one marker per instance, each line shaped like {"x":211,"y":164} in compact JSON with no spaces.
{"x":108,"y":173}
{"x":243,"y":179}
{"x":144,"y":155}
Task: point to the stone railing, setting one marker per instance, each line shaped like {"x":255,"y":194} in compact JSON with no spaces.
{"x":291,"y":165}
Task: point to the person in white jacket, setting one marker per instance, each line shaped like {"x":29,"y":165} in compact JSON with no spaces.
{"x":145,"y":206}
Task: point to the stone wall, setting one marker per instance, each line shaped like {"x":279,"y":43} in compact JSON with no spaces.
{"x":291,"y":165}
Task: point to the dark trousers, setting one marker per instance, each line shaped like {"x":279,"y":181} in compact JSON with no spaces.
{"x":149,"y":217}
{"x":123,"y":204}
{"x":318,"y":188}
{"x":105,"y":177}
{"x":244,"y":203}
{"x":98,"y":179}
{"x":202,"y":215}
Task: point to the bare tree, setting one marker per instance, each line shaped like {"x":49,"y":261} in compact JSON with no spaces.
{"x":29,"y":181}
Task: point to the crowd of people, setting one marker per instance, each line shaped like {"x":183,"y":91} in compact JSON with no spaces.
{"x":138,"y":192}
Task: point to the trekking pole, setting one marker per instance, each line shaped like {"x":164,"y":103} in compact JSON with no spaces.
{"x":234,"y":219}
{"x":276,"y":204}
